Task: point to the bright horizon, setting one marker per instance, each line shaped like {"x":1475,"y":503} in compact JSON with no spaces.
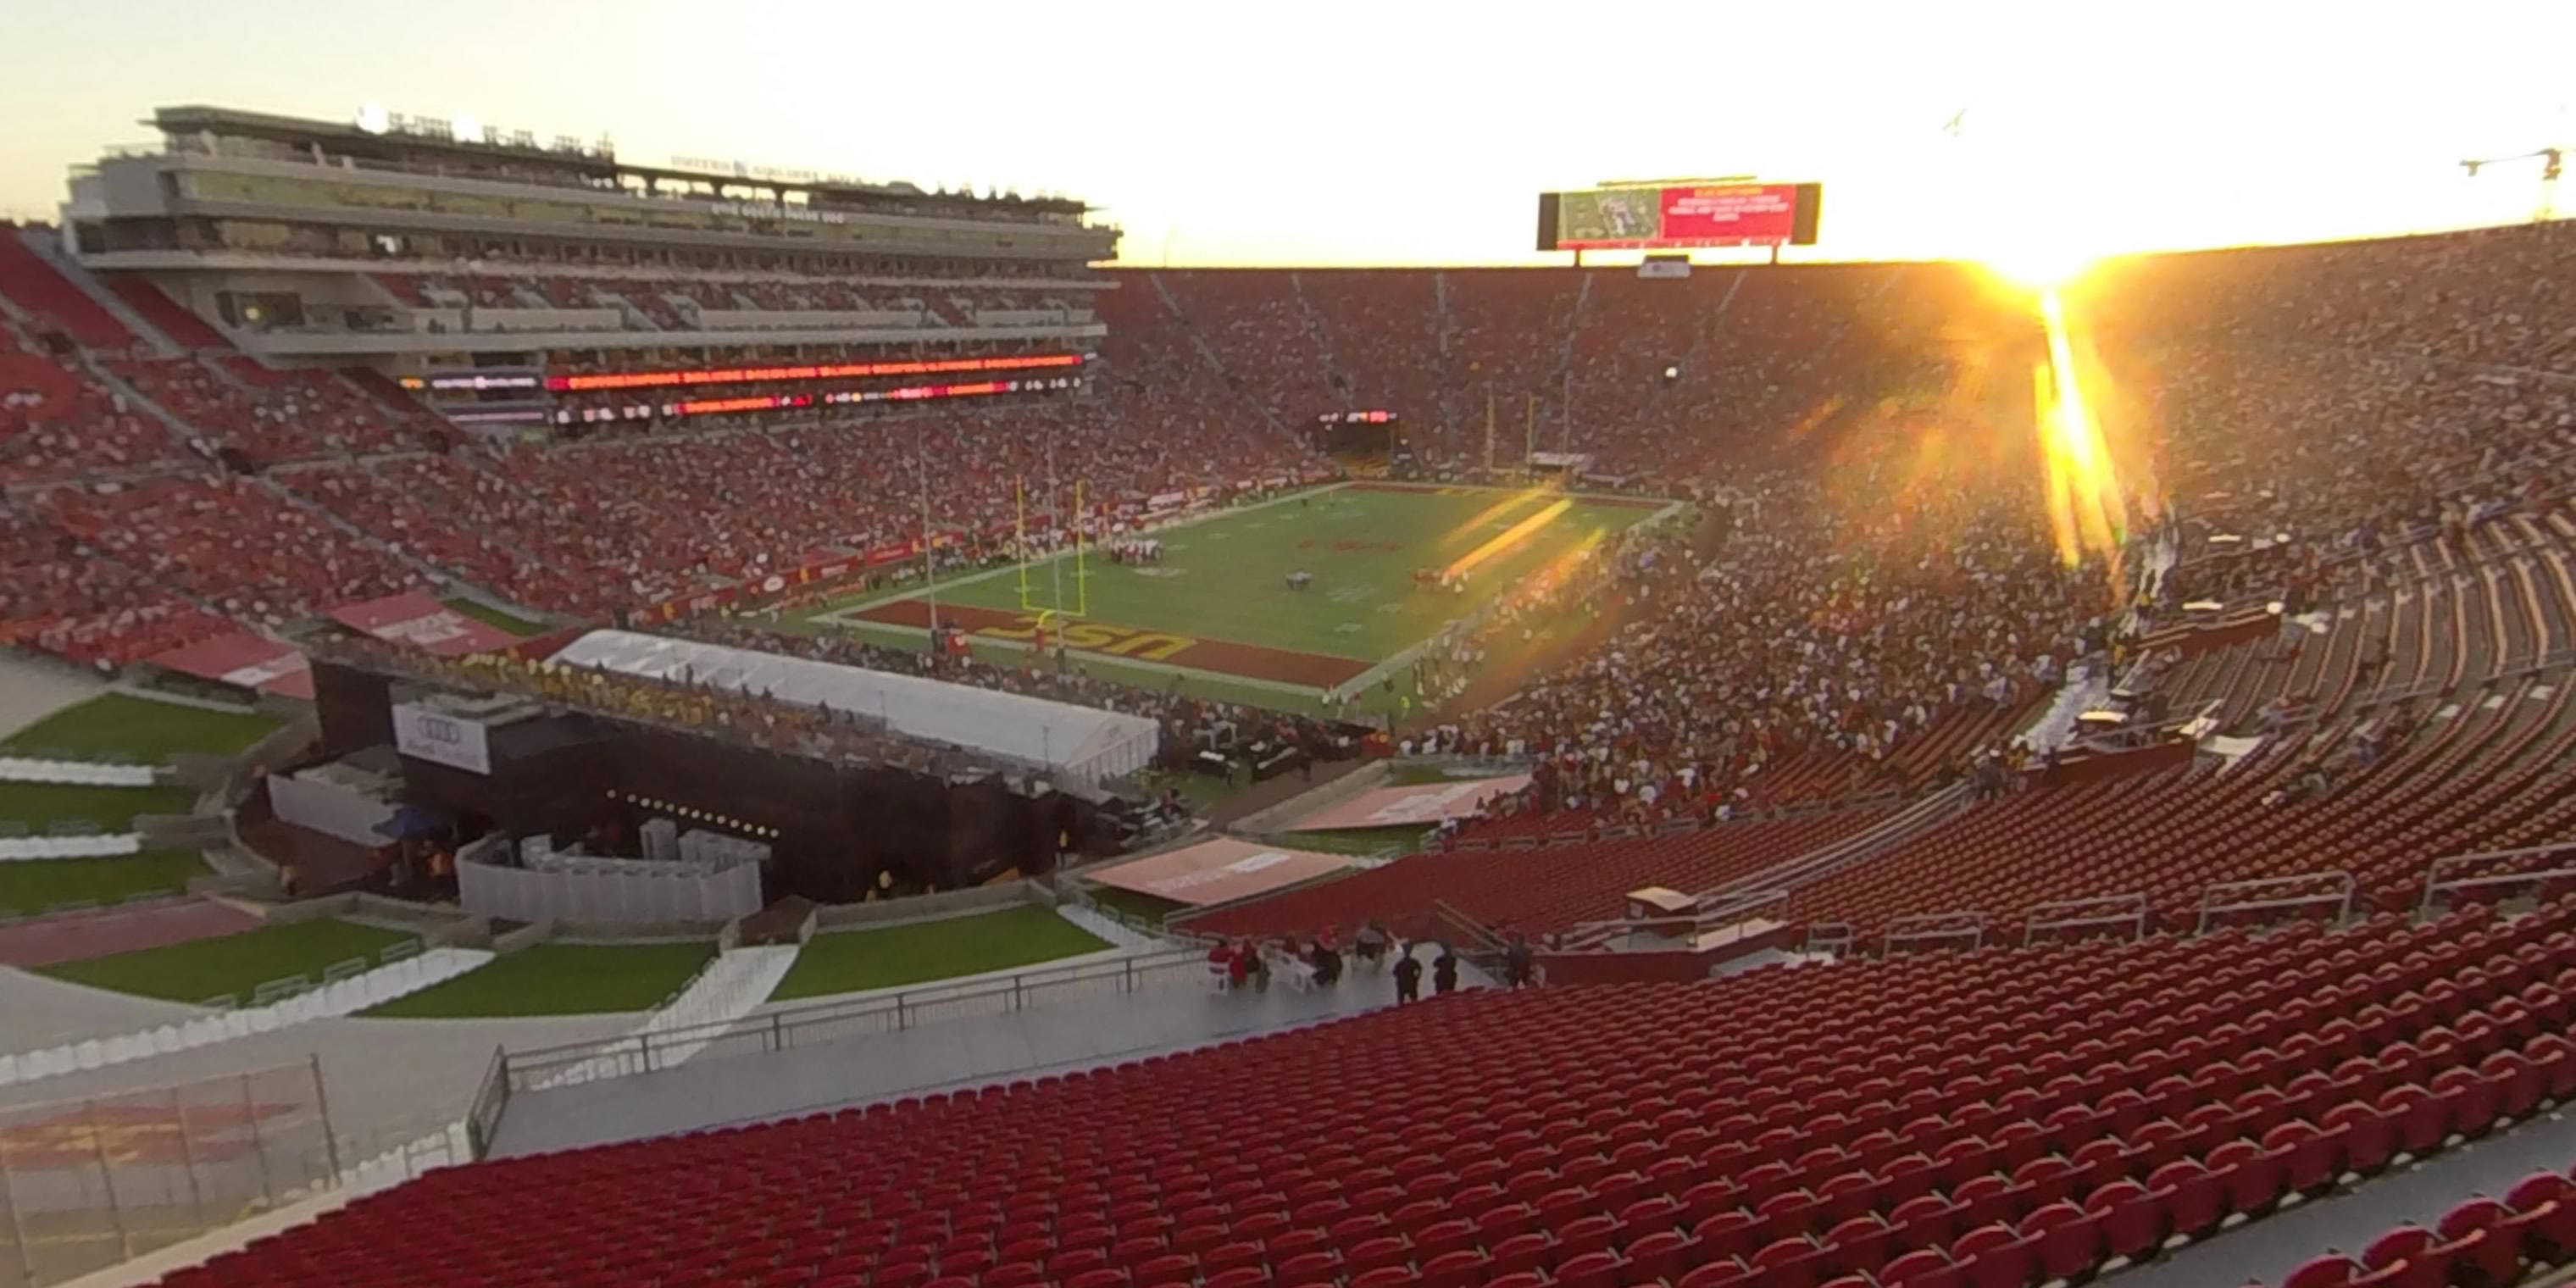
{"x":1390,"y":133}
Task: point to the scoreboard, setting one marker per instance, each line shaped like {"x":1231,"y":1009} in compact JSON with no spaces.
{"x":1680,"y":216}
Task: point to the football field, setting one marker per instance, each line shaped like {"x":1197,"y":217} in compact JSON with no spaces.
{"x":1218,"y":607}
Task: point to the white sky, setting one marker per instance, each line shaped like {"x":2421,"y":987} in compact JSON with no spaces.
{"x":1392,"y":132}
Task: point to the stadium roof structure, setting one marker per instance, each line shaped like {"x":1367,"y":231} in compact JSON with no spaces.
{"x":1077,"y":742}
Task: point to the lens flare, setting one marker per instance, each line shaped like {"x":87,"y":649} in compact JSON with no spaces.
{"x":2086,"y":508}
{"x":2040,"y":264}
{"x":1509,"y":537}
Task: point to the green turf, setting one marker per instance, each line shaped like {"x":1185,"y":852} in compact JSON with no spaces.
{"x":491,"y":616}
{"x":1136,"y":903}
{"x":146,"y":730}
{"x":112,"y":808}
{"x":1148,"y":675}
{"x":31,"y":886}
{"x":234,"y":964}
{"x":1418,"y":776}
{"x":1356,"y":840}
{"x":1221,"y":578}
{"x":559,"y":979}
{"x":848,"y":961}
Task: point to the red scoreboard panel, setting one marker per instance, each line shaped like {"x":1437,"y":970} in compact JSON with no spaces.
{"x":1680,"y":216}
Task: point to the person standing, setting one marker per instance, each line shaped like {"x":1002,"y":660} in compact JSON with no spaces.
{"x":1444,"y":972}
{"x":1520,"y":963}
{"x":1408,"y":977}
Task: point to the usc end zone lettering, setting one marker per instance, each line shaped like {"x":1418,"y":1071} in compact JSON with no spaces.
{"x":1097,"y":637}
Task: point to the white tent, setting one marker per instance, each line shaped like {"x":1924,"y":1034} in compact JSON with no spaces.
{"x":1077,"y":742}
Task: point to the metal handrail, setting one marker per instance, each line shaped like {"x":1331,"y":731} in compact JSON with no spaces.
{"x":2435,"y":883}
{"x":1836,"y":937}
{"x":491,"y":1100}
{"x":650,"y":1051}
{"x":1930,"y":926}
{"x":2253,"y":896}
{"x":1481,"y":936}
{"x":2070,"y":914}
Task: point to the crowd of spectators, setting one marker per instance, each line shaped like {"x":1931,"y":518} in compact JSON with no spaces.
{"x":1809,"y":617}
{"x":2308,"y":413}
{"x":1884,"y":562}
{"x":269,"y":416}
{"x":58,"y":424}
{"x":68,"y":599}
{"x":238,"y":546}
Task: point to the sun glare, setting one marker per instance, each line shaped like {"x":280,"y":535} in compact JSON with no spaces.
{"x":2039,"y":265}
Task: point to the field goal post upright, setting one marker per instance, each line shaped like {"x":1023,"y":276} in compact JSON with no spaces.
{"x":1020,"y":535}
{"x":1081,"y":570}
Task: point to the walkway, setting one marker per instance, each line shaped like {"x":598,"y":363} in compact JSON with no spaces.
{"x":32,"y":690}
{"x":389,"y":1081}
{"x":2266,"y":1251}
{"x":1075,"y":1035}
{"x":1286,"y":787}
{"x":37,"y":1012}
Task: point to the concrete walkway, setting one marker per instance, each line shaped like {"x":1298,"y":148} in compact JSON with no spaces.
{"x":2266,"y":1251}
{"x":32,"y":690}
{"x":37,"y":1012}
{"x":389,"y":1081}
{"x":958,"y":1052}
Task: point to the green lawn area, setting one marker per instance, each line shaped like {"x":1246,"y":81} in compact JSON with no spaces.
{"x":559,"y":979}
{"x":1418,"y":776}
{"x":112,"y":808}
{"x":234,"y":964}
{"x":146,"y":730}
{"x":1221,"y":579}
{"x":33,"y":885}
{"x":1355,"y":840}
{"x":1135,"y":903}
{"x":490,"y":616}
{"x":848,"y":961}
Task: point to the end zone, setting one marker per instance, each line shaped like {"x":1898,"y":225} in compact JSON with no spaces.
{"x":1215,"y":659}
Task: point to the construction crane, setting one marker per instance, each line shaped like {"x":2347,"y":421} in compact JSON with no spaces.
{"x":2553,"y":162}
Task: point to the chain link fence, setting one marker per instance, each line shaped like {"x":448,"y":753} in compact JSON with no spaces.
{"x":85,"y":1184}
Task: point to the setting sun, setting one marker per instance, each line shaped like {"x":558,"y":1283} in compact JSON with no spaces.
{"x":2039,"y":265}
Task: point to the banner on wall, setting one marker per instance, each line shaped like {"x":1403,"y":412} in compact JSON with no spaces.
{"x":442,"y":739}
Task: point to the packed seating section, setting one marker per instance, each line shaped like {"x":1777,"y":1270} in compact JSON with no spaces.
{"x":2376,"y":435}
{"x":1986,"y":1118}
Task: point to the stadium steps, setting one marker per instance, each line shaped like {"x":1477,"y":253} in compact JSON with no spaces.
{"x":1207,"y":351}
{"x":137,"y":400}
{"x":170,"y":317}
{"x":443,"y":576}
{"x":1323,"y":333}
{"x":108,"y":313}
{"x":1879,"y":838}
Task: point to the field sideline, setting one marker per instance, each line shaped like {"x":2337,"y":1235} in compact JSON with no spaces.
{"x":1216,"y":609}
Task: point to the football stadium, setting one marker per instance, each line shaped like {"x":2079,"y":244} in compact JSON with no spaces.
{"x":571,"y":719}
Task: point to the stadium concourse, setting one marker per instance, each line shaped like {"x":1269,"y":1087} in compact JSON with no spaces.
{"x":2334,"y":646}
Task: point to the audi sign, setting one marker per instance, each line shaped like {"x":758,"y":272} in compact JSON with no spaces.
{"x":441,"y":739}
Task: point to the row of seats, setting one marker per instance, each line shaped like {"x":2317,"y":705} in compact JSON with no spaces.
{"x":2488,"y":773}
{"x":1988,"y":1119}
{"x":1541,"y":891}
{"x":2479,"y":1241}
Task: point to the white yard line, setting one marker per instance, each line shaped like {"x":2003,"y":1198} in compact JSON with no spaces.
{"x":916,"y":592}
{"x":846,"y":618}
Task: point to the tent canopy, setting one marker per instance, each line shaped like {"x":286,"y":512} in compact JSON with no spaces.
{"x":1078,"y":742}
